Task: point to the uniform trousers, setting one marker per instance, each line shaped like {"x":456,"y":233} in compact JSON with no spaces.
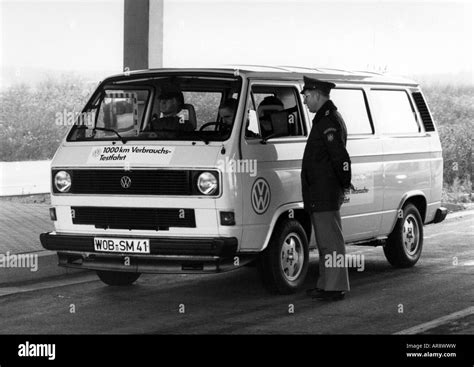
{"x":330,"y":241}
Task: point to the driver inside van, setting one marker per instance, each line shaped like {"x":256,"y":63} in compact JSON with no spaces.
{"x":172,"y":115}
{"x":227,"y":111}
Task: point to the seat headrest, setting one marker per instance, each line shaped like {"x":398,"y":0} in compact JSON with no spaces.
{"x":271,"y":107}
{"x":191,"y":114}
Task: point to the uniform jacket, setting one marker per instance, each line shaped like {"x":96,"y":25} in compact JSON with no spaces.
{"x":326,"y":167}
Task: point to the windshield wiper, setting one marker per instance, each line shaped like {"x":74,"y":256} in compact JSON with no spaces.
{"x":112,"y":131}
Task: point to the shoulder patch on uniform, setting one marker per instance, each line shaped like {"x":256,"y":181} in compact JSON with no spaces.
{"x":327,"y":113}
{"x":330,"y":137}
{"x":329,"y":129}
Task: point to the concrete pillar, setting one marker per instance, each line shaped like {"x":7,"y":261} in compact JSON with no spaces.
{"x":155,"y":34}
{"x":143,"y":34}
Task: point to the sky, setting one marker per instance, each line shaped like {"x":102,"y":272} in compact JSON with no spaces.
{"x":400,"y":37}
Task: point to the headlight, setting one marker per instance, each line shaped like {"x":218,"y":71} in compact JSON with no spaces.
{"x":62,"y":181}
{"x":207,"y":183}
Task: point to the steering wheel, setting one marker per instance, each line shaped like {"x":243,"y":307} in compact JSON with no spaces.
{"x":217,"y":123}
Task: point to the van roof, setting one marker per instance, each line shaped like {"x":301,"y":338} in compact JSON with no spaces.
{"x":284,"y":72}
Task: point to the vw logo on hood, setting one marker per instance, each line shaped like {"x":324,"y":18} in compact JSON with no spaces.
{"x":125,"y":182}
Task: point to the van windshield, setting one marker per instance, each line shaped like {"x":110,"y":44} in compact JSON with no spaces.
{"x":161,"y":108}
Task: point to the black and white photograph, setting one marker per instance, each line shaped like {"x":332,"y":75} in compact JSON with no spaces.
{"x":287,"y":179}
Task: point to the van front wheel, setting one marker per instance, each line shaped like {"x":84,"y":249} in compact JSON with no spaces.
{"x":404,"y":245}
{"x":117,"y":277}
{"x":284,"y":263}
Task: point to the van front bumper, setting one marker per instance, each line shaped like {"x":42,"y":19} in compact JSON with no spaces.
{"x":167,"y":254}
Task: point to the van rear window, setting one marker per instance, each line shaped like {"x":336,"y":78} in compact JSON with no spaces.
{"x":424,"y":112}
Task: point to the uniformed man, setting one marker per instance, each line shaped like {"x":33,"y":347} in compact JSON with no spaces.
{"x":325,"y":177}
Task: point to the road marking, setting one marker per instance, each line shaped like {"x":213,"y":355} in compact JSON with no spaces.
{"x":439,"y":234}
{"x":455,"y":223}
{"x":53,"y":283}
{"x":437,"y":322}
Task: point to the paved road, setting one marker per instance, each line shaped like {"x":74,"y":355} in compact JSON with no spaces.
{"x":383,"y":300}
{"x":21,"y":224}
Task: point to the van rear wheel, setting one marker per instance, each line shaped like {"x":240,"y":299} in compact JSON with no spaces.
{"x":284,"y":263}
{"x":404,"y":245}
{"x":117,"y":278}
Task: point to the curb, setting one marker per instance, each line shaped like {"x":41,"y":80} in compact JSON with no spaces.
{"x":47,"y":263}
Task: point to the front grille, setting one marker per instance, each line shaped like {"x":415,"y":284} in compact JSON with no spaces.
{"x":142,"y":182}
{"x":133,"y":218}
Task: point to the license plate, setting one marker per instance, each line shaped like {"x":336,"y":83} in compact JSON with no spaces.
{"x":128,"y":245}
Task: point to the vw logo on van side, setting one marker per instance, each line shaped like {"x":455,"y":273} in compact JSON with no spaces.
{"x":260,"y":196}
{"x":126,"y":182}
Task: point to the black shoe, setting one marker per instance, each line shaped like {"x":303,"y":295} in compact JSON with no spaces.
{"x":330,"y":296}
{"x":312,"y":292}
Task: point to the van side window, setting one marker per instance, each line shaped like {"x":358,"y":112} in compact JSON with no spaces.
{"x":394,"y":112}
{"x":353,"y":106}
{"x":278,"y":111}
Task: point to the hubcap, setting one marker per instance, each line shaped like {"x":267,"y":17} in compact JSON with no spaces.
{"x":292,"y":257}
{"x":411,"y":235}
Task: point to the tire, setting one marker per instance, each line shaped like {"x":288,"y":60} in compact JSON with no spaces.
{"x":405,"y":243}
{"x":283,"y":265}
{"x":117,"y":278}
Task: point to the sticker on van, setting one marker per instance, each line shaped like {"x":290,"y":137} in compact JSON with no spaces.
{"x":363,"y":191}
{"x":131,"y":154}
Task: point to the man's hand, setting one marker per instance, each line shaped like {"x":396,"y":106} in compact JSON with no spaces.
{"x":347,"y":191}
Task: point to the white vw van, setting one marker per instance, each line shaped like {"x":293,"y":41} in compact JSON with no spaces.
{"x":129,"y":198}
